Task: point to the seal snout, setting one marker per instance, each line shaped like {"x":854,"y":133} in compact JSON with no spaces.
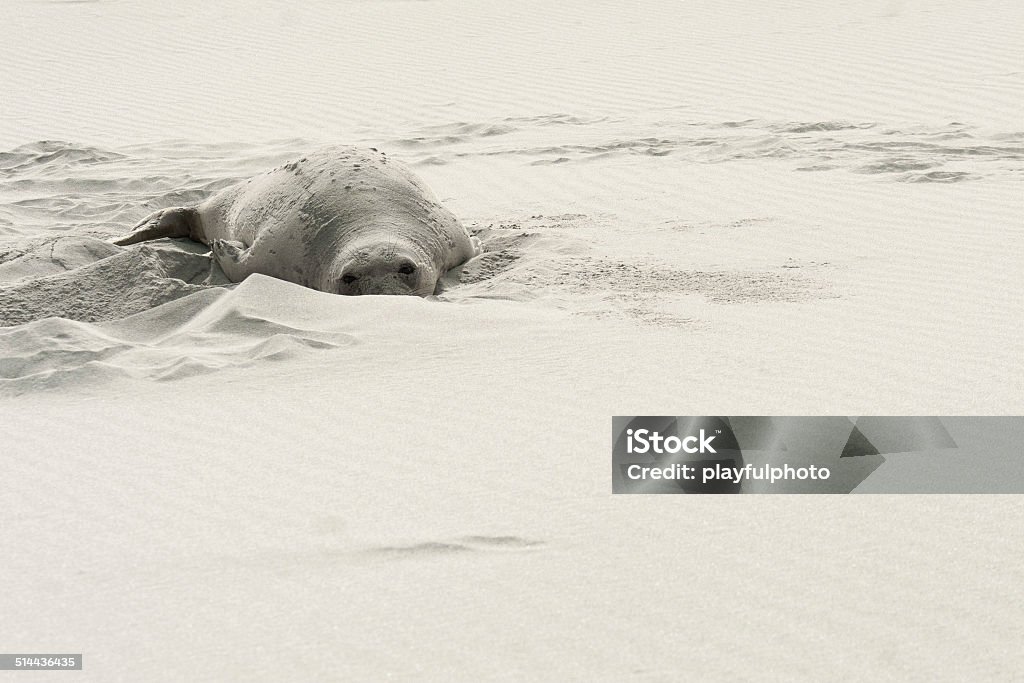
{"x":383,"y":271}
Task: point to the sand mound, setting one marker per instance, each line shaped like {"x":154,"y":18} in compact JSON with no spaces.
{"x":196,"y":330}
{"x":89,"y":280}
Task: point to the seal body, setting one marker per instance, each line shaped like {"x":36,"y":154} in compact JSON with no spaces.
{"x":342,"y":220}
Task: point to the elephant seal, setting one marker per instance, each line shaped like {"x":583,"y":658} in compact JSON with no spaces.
{"x":342,"y":220}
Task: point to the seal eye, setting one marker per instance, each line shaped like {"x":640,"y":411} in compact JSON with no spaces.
{"x":407,"y":269}
{"x":348,"y":279}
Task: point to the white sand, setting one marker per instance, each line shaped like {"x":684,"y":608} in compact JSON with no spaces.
{"x":690,"y":208}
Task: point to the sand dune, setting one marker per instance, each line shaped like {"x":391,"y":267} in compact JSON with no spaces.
{"x":686,"y":207}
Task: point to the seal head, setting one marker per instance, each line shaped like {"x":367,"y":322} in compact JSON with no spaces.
{"x":382,"y":268}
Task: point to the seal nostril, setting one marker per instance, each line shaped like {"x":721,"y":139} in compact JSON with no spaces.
{"x":348,"y":279}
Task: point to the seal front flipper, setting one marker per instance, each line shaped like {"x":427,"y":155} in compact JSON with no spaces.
{"x":177,"y":221}
{"x":231,"y":257}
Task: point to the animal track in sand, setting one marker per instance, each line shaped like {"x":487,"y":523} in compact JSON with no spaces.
{"x":465,"y":544}
{"x":534,"y":258}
